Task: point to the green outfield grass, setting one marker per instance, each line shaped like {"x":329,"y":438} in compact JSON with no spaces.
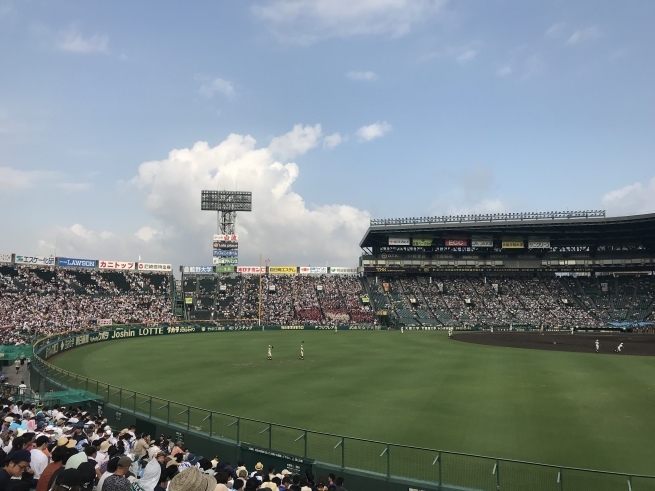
{"x":417,"y":388}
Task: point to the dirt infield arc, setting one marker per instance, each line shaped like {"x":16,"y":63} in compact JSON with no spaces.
{"x":633,"y":344}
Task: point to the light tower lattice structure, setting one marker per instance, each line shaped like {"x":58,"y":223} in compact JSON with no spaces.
{"x":227,"y":204}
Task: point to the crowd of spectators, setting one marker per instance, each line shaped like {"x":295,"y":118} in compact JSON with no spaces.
{"x":36,"y":301}
{"x":285,"y":299}
{"x":501,"y":301}
{"x":57,"y":448}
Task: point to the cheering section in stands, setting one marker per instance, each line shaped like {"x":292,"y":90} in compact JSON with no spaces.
{"x":44,"y":300}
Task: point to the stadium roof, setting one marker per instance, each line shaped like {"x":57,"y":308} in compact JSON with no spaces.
{"x":563,"y":229}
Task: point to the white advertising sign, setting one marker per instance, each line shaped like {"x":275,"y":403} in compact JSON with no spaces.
{"x":398,"y":241}
{"x":40,"y":260}
{"x":226,"y":238}
{"x":5,"y":258}
{"x":122,"y":265}
{"x":313,"y":270}
{"x":339,"y":270}
{"x":251,"y":269}
{"x":154,"y":267}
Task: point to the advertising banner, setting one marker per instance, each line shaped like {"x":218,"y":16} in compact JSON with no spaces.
{"x":482,"y":241}
{"x":5,"y":258}
{"x":65,"y":262}
{"x":398,"y":241}
{"x":224,"y":269}
{"x":40,"y":260}
{"x":102,"y":264}
{"x":226,"y":252}
{"x":313,"y":270}
{"x":538,"y":242}
{"x":340,"y":270}
{"x":251,"y":269}
{"x":104,"y":322}
{"x":154,"y":267}
{"x":459,"y":241}
{"x":225,"y":245}
{"x":282,"y":269}
{"x":198,"y":269}
{"x":224,"y":261}
{"x":226,"y":238}
{"x":421,"y":242}
{"x":512,"y":243}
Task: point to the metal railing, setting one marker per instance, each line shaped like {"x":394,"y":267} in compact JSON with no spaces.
{"x":428,"y":468}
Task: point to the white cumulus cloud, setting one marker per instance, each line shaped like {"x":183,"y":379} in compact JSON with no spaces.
{"x":310,"y":20}
{"x":75,"y":42}
{"x":296,"y":142}
{"x":373,"y":131}
{"x":218,"y":86}
{"x":282,"y":226}
{"x":638,"y":197}
{"x":333,"y":140}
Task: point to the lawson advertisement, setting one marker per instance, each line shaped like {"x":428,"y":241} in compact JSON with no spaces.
{"x":67,"y":262}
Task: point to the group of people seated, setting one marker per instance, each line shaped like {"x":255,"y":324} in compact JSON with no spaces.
{"x":35,"y":302}
{"x":68,"y":449}
{"x":480,"y":301}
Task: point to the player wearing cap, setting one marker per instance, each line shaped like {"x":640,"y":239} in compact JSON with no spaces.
{"x":302,"y":350}
{"x":270,"y":352}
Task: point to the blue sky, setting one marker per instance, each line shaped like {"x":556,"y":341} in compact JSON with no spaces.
{"x":114,"y":115}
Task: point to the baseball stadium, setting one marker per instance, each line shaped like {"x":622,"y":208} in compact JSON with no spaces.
{"x":471,"y":352}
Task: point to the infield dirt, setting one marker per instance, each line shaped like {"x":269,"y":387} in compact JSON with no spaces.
{"x":633,"y":344}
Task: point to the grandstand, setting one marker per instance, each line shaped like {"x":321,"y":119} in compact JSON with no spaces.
{"x":555,"y":270}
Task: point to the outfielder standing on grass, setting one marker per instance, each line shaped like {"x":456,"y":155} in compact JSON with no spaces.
{"x":597,"y":346}
{"x":270,"y":352}
{"x":302,"y":350}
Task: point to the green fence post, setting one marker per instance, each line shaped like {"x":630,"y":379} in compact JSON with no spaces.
{"x":150,"y":408}
{"x":120,"y":397}
{"x":305,"y":444}
{"x":270,"y":436}
{"x":188,"y":418}
{"x":343,"y":453}
{"x":238,"y":431}
{"x":168,"y":412}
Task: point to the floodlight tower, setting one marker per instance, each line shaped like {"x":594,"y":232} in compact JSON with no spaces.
{"x":226,"y":203}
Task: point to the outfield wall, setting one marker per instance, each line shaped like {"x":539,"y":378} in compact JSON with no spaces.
{"x":365,"y":464}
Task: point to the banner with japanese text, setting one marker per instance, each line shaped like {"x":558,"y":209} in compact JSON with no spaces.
{"x":512,"y":243}
{"x":538,"y":242}
{"x":282,"y":269}
{"x":421,"y":242}
{"x":398,"y":241}
{"x":226,"y":252}
{"x":154,"y":267}
{"x":251,"y":269}
{"x":482,"y":241}
{"x":224,"y":261}
{"x":341,"y":270}
{"x":102,"y":264}
{"x":36,"y":260}
{"x":313,"y":270}
{"x":226,"y":238}
{"x":198,"y":269}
